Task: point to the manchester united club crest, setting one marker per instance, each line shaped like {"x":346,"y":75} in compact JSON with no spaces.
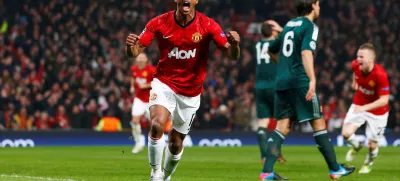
{"x":371,"y":83}
{"x":144,"y":74}
{"x":196,"y":37}
{"x":153,"y":96}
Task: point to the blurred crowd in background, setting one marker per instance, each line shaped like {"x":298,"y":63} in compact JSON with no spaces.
{"x":63,"y":64}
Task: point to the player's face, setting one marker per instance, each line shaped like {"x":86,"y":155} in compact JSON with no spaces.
{"x":186,"y":6}
{"x":317,"y":9}
{"x":141,"y":60}
{"x":364,"y":58}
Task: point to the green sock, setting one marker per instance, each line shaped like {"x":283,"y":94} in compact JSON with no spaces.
{"x":274,"y":145}
{"x":326,"y":148}
{"x":262,"y":141}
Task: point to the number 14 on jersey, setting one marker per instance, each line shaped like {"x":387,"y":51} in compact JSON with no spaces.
{"x":262,"y":52}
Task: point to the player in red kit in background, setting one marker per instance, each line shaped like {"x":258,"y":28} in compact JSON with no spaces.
{"x":183,"y":38}
{"x":370,"y":105}
{"x":142,"y":75}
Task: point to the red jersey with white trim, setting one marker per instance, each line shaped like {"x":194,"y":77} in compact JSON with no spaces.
{"x":142,"y":76}
{"x":371,"y":87}
{"x":183,"y":50}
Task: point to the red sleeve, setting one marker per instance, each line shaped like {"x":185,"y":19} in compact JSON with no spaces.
{"x":218,"y":36}
{"x":147,"y":35}
{"x":354,"y":65}
{"x":383,"y":84}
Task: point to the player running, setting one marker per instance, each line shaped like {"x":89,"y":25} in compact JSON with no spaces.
{"x":370,"y":105}
{"x":265,"y":86}
{"x":142,"y":75}
{"x":183,"y":38}
{"x":295,"y":97}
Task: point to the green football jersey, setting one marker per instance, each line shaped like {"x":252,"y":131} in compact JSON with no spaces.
{"x":298,"y":34}
{"x":265,"y":68}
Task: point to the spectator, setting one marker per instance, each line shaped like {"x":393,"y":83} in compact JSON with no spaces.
{"x":109,"y":123}
{"x":7,"y":117}
{"x":22,"y":121}
{"x":242,"y":115}
{"x":43,"y":122}
{"x":221,"y":120}
{"x":61,"y":118}
{"x":76,"y":117}
{"x":126,"y":114}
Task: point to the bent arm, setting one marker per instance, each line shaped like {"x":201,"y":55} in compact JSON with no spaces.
{"x":382,"y":101}
{"x":232,"y":51}
{"x":135,"y":50}
{"x":354,"y":84}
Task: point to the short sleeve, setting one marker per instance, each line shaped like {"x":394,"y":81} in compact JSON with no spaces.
{"x":147,"y":35}
{"x":310,"y":37}
{"x":275,"y":45}
{"x":218,"y":36}
{"x":383,"y":84}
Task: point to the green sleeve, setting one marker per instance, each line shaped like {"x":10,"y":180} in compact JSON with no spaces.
{"x":275,"y":45}
{"x":310,"y":37}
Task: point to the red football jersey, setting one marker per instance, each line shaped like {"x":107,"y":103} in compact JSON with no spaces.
{"x":371,"y":87}
{"x":183,"y":50}
{"x":143,"y":76}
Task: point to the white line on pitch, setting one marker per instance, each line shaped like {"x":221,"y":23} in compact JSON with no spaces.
{"x":37,"y":178}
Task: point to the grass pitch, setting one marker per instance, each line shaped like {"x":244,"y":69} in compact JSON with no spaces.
{"x":197,"y":164}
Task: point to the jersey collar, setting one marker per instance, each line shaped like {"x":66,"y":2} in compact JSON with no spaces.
{"x":187,"y":24}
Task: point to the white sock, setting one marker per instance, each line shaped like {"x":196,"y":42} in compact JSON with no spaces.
{"x":353,"y":141}
{"x":137,"y":133}
{"x":171,"y":162}
{"x":156,"y":149}
{"x":371,"y":156}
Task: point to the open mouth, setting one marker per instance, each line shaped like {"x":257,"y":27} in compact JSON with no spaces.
{"x":186,"y":6}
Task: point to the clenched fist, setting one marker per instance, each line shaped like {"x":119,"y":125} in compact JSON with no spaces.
{"x":233,"y":37}
{"x":132,"y":39}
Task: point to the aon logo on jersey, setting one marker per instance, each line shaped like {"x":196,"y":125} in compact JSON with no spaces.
{"x":182,"y":54}
{"x":366,"y":91}
{"x":141,"y":80}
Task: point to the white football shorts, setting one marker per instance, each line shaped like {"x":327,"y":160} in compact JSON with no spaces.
{"x":140,"y":108}
{"x":376,"y":124}
{"x":183,"y":109}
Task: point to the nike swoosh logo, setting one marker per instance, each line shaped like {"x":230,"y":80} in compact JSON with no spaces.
{"x":166,"y":37}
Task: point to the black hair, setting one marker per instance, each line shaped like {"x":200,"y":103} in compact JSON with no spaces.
{"x":266,"y":30}
{"x":304,"y":7}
